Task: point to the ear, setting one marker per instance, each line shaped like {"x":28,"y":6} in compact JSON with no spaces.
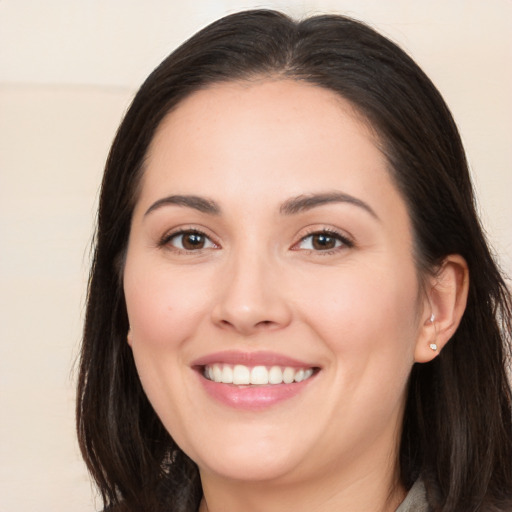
{"x":446,"y":296}
{"x":129,"y":337}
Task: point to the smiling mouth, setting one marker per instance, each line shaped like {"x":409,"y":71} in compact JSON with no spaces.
{"x":240,"y":375}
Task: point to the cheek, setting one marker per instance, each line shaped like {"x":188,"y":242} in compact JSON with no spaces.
{"x":364,"y":312}
{"x":368,"y":323}
{"x":163,"y":307}
{"x":164,"y":310}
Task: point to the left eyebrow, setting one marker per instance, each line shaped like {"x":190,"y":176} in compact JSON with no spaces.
{"x":307,"y":202}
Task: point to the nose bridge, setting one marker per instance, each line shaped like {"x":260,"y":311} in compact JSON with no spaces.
{"x":250,"y":297}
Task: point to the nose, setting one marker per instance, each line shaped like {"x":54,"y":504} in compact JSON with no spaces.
{"x":252,"y":297}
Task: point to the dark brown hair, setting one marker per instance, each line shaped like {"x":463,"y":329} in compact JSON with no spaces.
{"x":457,"y":431}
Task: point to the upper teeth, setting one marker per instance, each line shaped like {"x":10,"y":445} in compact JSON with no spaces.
{"x":240,"y":374}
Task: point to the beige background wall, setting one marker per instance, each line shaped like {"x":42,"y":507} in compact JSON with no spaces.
{"x":68,"y":69}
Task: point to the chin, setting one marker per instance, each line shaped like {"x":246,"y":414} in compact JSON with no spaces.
{"x":250,"y":459}
{"x":250,"y":468}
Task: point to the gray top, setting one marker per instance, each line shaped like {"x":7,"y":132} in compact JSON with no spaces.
{"x":416,"y":499}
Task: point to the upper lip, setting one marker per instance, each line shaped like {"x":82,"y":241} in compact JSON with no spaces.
{"x":261,"y":358}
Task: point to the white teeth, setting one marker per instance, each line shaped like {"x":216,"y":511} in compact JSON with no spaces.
{"x":275,"y":375}
{"x":257,"y":375}
{"x":227,"y":375}
{"x":288,"y":375}
{"x":216,"y":371}
{"x":299,"y":376}
{"x":241,"y":375}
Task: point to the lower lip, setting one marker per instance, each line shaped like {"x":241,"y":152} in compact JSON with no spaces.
{"x":253,"y":398}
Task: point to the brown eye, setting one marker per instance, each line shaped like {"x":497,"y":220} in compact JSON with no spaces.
{"x":190,"y":241}
{"x":324,"y":241}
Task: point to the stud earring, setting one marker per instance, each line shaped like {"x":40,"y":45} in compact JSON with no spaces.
{"x":433,"y":346}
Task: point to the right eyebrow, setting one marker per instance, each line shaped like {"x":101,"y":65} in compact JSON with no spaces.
{"x":201,"y":204}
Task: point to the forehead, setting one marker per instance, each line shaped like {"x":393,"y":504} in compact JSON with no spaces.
{"x":260,"y":127}
{"x":276,"y":101}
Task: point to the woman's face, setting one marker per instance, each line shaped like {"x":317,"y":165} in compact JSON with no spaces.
{"x":272,"y":295}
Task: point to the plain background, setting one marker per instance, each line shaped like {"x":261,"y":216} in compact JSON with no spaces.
{"x":68,"y":69}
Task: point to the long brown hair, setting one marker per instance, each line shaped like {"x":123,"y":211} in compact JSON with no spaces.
{"x":457,"y":430}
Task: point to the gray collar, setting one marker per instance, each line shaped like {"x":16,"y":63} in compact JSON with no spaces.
{"x":416,"y":499}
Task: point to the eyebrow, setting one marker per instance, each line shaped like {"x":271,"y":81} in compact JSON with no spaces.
{"x":291,"y":206}
{"x":307,"y":202}
{"x":196,"y":202}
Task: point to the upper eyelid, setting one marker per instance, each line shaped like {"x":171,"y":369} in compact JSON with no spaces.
{"x":342,"y":234}
{"x":170,"y":234}
{"x":347,"y":241}
{"x":187,"y":229}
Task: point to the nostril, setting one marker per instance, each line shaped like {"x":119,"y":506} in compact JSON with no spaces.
{"x":265,"y":323}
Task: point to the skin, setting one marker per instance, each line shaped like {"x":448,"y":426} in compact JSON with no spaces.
{"x":355,"y":311}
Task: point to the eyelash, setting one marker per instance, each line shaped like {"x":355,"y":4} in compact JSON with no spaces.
{"x":344,"y":241}
{"x":168,"y":238}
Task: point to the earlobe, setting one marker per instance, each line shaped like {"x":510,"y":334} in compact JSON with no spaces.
{"x":446,"y":296}
{"x":129,"y":337}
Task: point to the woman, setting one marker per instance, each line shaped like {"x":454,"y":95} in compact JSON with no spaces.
{"x":292,"y":305}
